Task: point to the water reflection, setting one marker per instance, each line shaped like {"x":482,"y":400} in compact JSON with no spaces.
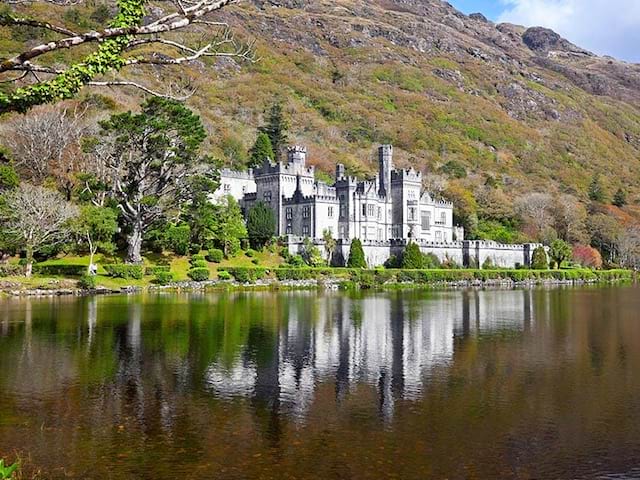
{"x":518,"y":383}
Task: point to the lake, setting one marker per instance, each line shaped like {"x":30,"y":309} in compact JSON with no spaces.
{"x":476,"y":384}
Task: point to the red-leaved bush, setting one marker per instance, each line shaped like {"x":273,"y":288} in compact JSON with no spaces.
{"x":587,"y":256}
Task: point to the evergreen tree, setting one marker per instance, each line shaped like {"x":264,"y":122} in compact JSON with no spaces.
{"x":261,"y":149}
{"x":559,"y":252}
{"x":261,"y":225}
{"x":539,"y":260}
{"x":330,"y":244}
{"x":412,"y":257}
{"x":276,"y":128}
{"x":596,"y":190}
{"x":356,"y":255}
{"x":620,"y":198}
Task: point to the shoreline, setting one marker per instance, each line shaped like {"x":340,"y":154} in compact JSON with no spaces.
{"x":324,"y":283}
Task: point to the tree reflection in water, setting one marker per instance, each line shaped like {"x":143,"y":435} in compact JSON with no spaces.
{"x":514,"y":383}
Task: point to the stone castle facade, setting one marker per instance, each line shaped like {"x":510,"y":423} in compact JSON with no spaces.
{"x":390,"y":206}
{"x":385,"y":212}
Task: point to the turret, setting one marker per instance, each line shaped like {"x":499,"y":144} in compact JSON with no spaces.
{"x":297,"y":155}
{"x":385,"y":162}
{"x":340,"y":172}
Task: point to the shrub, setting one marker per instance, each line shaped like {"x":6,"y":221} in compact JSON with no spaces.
{"x":356,"y":255}
{"x":250,"y":253}
{"x":224,"y":275}
{"x":247,"y":275}
{"x":197,"y":258}
{"x":296,"y":261}
{"x":164,"y":278}
{"x":121,"y":270}
{"x":155,"y":269}
{"x":61,"y":270}
{"x":178,"y":238}
{"x":255,"y":261}
{"x":412,"y":257}
{"x":261,"y":225}
{"x":199,"y":274}
{"x":9,"y":270}
{"x":539,"y":261}
{"x":587,"y":256}
{"x":431,"y":261}
{"x":200,"y":264}
{"x":559,"y":252}
{"x":392,"y":262}
{"x":87,"y":282}
{"x":215,"y":255}
{"x":488,"y":264}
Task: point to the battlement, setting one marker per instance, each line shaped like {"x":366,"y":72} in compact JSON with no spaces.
{"x":280,"y":168}
{"x":406,"y":175}
{"x":240,"y":175}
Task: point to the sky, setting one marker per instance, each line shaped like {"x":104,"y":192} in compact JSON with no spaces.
{"x":606,"y":27}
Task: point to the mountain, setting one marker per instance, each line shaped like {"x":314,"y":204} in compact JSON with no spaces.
{"x":521,"y":109}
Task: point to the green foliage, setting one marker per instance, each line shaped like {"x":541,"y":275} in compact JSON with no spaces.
{"x":199,"y":264}
{"x":488,"y":264}
{"x":155,"y":269}
{"x":61,"y":270}
{"x":108,"y":56}
{"x":276,"y":128}
{"x":454,"y":169}
{"x":9,"y":178}
{"x":498,"y":232}
{"x":311,"y":254}
{"x":230,"y":227}
{"x":539,"y":260}
{"x":178,"y":239}
{"x":7,"y":471}
{"x":125,"y":271}
{"x":261,"y":150}
{"x":11,"y":270}
{"x":247,"y":275}
{"x":224,"y":275}
{"x":356,"y":255}
{"x":559,"y":252}
{"x":596,"y":190}
{"x":199,"y":274}
{"x":620,"y":198}
{"x":87,"y":282}
{"x":261,"y":225}
{"x":215,"y":255}
{"x":95,"y":228}
{"x":164,"y":278}
{"x":412,"y":257}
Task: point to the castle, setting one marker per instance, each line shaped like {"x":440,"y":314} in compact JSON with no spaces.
{"x":390,"y":206}
{"x":385,"y":213}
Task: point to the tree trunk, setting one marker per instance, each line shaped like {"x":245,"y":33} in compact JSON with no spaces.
{"x":29,"y":267}
{"x":134,"y":242}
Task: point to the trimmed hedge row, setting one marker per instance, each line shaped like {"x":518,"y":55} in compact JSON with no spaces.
{"x":246,"y":274}
{"x":121,"y":270}
{"x":156,"y":269}
{"x":63,"y":270}
{"x":382,"y":276}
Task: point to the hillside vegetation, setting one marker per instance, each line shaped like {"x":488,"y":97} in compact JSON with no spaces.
{"x":499,"y":110}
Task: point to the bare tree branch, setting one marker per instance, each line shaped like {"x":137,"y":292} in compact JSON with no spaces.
{"x":9,"y":20}
{"x":127,"y":83}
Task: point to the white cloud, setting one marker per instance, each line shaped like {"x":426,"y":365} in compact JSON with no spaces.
{"x":606,"y":27}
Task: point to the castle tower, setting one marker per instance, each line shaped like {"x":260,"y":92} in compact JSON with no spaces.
{"x":297,"y":156}
{"x":385,"y":162}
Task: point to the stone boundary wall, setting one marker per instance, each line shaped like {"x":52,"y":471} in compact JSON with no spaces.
{"x":468,"y":253}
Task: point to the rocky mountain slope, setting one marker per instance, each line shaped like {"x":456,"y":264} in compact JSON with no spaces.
{"x":523,"y":109}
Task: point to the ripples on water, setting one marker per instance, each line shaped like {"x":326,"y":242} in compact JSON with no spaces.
{"x":473,"y":384}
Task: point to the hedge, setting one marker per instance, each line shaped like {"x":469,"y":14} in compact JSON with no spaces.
{"x":246,"y":275}
{"x":122,"y":270}
{"x":63,"y":270}
{"x":215,"y":255}
{"x":164,"y":277}
{"x":199,"y":274}
{"x":156,"y":269}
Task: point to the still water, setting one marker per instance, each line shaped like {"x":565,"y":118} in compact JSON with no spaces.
{"x":526,"y":384}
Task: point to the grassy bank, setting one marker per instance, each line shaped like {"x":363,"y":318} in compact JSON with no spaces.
{"x":261,"y":268}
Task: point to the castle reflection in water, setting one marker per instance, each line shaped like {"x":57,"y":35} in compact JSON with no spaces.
{"x":392,"y":342}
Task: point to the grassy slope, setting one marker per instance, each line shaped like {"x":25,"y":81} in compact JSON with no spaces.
{"x":345,"y":100}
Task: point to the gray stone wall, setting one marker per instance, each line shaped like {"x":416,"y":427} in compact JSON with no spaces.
{"x":468,"y":253}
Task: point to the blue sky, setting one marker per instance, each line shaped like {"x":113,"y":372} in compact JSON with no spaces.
{"x":606,"y":27}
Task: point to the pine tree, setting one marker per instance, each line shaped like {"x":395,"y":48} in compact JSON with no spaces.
{"x":412,"y":257}
{"x":261,"y":225}
{"x":539,"y":260}
{"x":276,"y":128}
{"x":356,"y":255}
{"x":620,"y":198}
{"x":261,"y":150}
{"x":596,"y":190}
